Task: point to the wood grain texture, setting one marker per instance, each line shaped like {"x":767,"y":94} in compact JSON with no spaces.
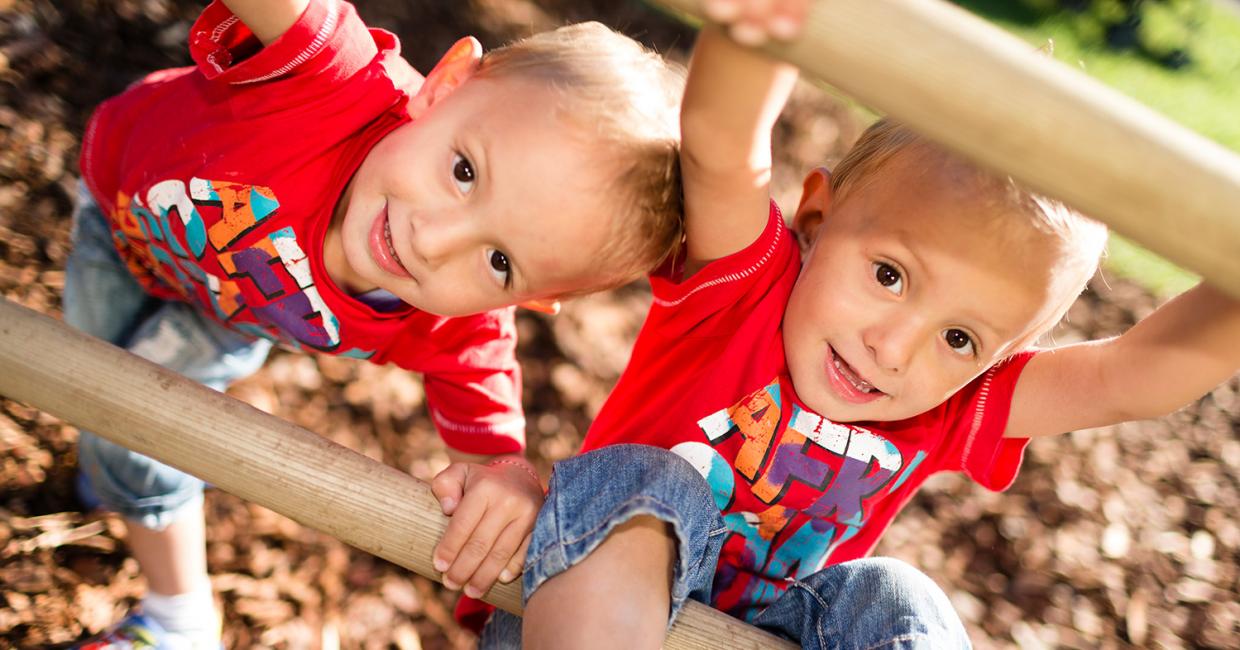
{"x":259,"y":457}
{"x":993,"y":98}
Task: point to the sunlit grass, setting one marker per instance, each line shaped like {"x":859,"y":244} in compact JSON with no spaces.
{"x":1204,"y":96}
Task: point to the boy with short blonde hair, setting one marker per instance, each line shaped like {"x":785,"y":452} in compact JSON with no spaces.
{"x":593,"y":66}
{"x":303,"y":185}
{"x":781,"y":407}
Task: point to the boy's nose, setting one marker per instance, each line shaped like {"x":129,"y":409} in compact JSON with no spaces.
{"x":893,"y":342}
{"x":439,"y":238}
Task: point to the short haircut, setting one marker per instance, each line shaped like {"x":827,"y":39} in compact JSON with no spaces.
{"x":1077,"y":240}
{"x":627,"y":98}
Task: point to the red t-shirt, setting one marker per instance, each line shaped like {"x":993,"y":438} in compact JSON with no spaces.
{"x":708,"y":380}
{"x":220,"y":181}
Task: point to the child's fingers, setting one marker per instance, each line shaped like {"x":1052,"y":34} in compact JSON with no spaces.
{"x":475,"y":548}
{"x":748,"y":33}
{"x":749,"y":25}
{"x":517,"y":564}
{"x":449,"y":485}
{"x":497,"y":559}
{"x":460,"y":532}
{"x":753,"y":22}
{"x":787,"y":19}
{"x":722,"y":11}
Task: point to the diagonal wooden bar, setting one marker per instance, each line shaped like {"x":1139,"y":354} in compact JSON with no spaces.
{"x":932,"y":65}
{"x":259,"y":457}
{"x":990,"y":96}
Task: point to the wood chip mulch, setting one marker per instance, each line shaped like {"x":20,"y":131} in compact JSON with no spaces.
{"x":1111,"y":538}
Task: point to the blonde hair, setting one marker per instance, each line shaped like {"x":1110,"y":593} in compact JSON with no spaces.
{"x":627,"y":97}
{"x":1076,"y":240}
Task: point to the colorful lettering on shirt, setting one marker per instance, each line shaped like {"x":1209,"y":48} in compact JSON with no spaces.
{"x":780,"y":448}
{"x":194,"y":240}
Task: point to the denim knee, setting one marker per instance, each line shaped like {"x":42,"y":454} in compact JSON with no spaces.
{"x":591,"y":494}
{"x":101,"y":297}
{"x":868,"y":603}
{"x":136,"y":486}
{"x":180,"y":338}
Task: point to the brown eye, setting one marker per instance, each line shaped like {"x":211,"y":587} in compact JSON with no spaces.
{"x":501,"y":268}
{"x":889,"y":277}
{"x":463,"y":173}
{"x":959,"y":341}
{"x":499,"y":261}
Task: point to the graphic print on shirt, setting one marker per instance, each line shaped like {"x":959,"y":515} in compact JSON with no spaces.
{"x":808,"y":480}
{"x":189,"y":239}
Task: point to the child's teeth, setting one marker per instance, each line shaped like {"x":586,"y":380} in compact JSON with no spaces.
{"x":387,"y":237}
{"x":847,"y":373}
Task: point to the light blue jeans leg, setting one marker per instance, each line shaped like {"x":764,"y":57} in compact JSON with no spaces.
{"x":591,"y":494}
{"x":101,"y":298}
{"x":872,"y":603}
{"x":866,"y":604}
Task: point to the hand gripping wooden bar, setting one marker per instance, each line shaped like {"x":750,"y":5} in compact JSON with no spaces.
{"x":258,"y":456}
{"x":993,"y":98}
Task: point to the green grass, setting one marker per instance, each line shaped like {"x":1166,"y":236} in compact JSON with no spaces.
{"x":1204,"y":96}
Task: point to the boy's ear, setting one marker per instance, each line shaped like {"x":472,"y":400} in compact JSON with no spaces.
{"x":542,"y":305}
{"x":815,"y":199}
{"x":453,"y":69}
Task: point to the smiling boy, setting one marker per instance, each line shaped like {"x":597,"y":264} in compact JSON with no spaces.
{"x":439,"y":213}
{"x":301,"y":184}
{"x":782,"y":406}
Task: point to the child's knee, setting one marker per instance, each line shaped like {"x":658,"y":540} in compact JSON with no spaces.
{"x":627,"y":496}
{"x":876,"y":576}
{"x":617,"y":473}
{"x":136,"y":486}
{"x":625,"y":583}
{"x":646,"y":540}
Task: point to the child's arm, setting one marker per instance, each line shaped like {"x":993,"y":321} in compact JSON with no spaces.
{"x":493,"y":502}
{"x":1172,"y":357}
{"x":732,"y":98}
{"x":267,"y":19}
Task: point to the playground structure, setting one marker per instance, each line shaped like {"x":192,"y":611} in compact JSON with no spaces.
{"x":1005,"y":104}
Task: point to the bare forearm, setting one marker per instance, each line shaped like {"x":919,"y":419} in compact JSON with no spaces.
{"x":732,"y":100}
{"x":1174,"y":356}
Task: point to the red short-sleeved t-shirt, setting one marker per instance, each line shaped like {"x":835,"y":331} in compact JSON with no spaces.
{"x":708,"y":380}
{"x":220,"y":181}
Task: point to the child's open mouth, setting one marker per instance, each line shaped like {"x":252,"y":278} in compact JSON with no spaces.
{"x":381,"y":248}
{"x":848,"y":384}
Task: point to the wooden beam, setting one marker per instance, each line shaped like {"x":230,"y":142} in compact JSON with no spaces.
{"x":258,"y":456}
{"x":992,"y":97}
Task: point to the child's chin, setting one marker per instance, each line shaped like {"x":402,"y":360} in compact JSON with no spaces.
{"x":842,"y":411}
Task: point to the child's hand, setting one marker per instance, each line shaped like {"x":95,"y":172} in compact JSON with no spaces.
{"x":493,"y":508}
{"x":754,"y":22}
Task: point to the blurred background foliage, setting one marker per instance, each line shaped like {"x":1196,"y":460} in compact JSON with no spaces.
{"x":1180,"y":57}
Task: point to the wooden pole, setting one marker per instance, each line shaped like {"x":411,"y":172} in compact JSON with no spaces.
{"x":991,"y":97}
{"x":258,"y":456}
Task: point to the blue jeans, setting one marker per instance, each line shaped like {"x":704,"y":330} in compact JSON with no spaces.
{"x":103,"y":299}
{"x":869,"y":603}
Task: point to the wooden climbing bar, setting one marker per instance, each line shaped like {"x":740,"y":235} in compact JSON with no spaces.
{"x":925,"y":62}
{"x":996,"y":99}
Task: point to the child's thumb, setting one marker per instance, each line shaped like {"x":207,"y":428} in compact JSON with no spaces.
{"x":449,"y":486}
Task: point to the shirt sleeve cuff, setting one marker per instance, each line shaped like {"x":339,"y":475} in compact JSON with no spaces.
{"x":226,"y":50}
{"x":731,"y":270}
{"x":990,"y":458}
{"x":491,"y":438}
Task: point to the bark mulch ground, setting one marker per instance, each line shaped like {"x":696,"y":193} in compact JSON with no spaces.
{"x":1110,"y":538}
